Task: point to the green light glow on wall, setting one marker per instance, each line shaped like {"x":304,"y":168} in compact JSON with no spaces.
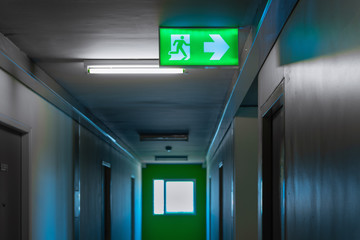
{"x":199,"y":47}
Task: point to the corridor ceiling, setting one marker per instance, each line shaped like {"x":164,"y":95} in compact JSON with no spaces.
{"x":59,"y":35}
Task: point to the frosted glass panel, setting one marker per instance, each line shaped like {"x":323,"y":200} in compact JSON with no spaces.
{"x":158,"y":196}
{"x":179,"y":196}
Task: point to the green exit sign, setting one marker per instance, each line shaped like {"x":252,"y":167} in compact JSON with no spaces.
{"x":199,"y":47}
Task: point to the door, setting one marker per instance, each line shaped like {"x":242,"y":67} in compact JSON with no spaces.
{"x":106,"y":216}
{"x":278,"y":170}
{"x":210,"y":212}
{"x":221,"y":202}
{"x":273,"y":172}
{"x":132,"y":208}
{"x":10,"y":184}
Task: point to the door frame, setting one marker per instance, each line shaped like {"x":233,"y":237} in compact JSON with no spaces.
{"x":275,"y":102}
{"x":221,"y":199}
{"x":25,"y":133}
{"x":133,"y":208}
{"x":105,"y":165}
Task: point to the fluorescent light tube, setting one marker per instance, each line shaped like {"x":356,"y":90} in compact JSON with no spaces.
{"x":132,"y":69}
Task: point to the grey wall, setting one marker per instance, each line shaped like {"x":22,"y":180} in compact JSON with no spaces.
{"x":121,"y":188}
{"x":246,"y":174}
{"x":50,"y":159}
{"x":92,"y":152}
{"x":238,"y":152}
{"x":52,"y":147}
{"x":225,"y":156}
{"x":318,"y":55}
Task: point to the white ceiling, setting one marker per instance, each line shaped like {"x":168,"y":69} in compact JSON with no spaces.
{"x":60,"y":34}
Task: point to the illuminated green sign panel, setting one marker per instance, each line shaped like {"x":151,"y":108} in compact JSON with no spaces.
{"x":199,"y":47}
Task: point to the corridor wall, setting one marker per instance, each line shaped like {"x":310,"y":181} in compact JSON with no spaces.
{"x":54,"y":139}
{"x":317,"y":58}
{"x":238,"y":156}
{"x":224,"y":157}
{"x":93,"y":152}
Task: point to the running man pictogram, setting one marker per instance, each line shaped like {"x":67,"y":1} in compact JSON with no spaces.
{"x":180,"y":47}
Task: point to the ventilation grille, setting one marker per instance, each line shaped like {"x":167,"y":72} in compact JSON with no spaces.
{"x":164,"y":137}
{"x":171,"y":158}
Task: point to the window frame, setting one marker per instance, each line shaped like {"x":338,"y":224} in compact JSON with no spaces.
{"x":174,"y":180}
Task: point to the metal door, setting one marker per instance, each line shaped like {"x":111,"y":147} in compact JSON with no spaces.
{"x":221,"y":202}
{"x":277,"y":172}
{"x":10,"y":184}
{"x":106,"y":199}
{"x":273,"y":167}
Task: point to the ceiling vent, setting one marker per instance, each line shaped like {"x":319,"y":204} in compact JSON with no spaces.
{"x":164,"y":137}
{"x":171,"y":158}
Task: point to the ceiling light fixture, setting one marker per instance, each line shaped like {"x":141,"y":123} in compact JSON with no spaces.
{"x":132,"y":70}
{"x":129,"y":67}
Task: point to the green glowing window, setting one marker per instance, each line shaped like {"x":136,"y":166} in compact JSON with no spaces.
{"x":174,"y":196}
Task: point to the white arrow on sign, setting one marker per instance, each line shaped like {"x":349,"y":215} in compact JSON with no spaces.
{"x":219,"y":47}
